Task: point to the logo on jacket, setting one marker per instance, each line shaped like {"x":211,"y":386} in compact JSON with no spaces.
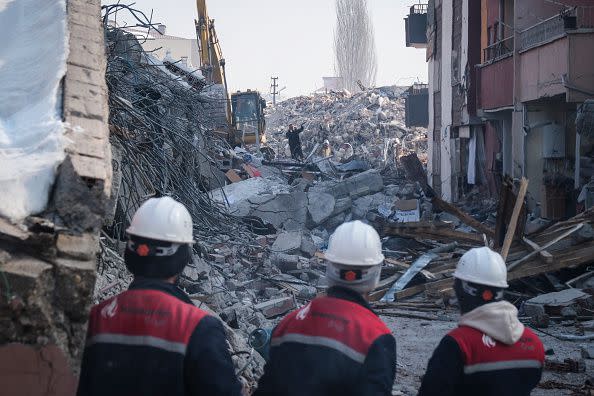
{"x":303,"y":312}
{"x":110,"y":310}
{"x":488,"y":341}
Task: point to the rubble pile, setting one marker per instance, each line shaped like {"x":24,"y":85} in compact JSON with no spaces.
{"x":368,"y":125}
{"x":158,"y":124}
{"x":262,"y":226}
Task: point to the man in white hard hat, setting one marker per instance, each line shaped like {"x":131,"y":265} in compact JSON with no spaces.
{"x":336,"y":345}
{"x":151,"y":339}
{"x":491,"y":352}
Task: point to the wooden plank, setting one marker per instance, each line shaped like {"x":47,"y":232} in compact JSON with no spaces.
{"x":548,"y":257}
{"x":465,"y":218}
{"x":396,"y":263}
{"x":409,"y":292}
{"x":569,"y":258}
{"x":233,"y":176}
{"x":578,"y":255}
{"x":511,"y":229}
{"x":440,"y":234}
{"x":551,"y":243}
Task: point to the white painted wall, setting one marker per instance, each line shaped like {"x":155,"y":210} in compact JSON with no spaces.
{"x":179,"y":47}
{"x":32,"y":62}
{"x":446,"y":99}
{"x":464,"y":58}
{"x":431,"y":123}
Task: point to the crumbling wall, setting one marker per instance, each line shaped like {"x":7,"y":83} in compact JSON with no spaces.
{"x":48,"y":261}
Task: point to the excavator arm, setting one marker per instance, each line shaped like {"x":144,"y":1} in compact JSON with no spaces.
{"x":211,"y":55}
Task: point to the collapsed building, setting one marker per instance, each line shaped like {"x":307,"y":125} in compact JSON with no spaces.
{"x":262,"y":226}
{"x":368,"y":125}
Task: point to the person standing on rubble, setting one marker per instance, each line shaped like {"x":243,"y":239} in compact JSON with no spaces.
{"x":295,"y":142}
{"x":491,"y":352}
{"x":151,"y":339}
{"x":326,"y":149}
{"x":336,"y":345}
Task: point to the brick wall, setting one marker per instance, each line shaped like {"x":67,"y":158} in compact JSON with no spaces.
{"x":48,"y":263}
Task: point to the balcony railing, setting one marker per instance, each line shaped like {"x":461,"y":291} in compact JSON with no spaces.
{"x":557,"y":26}
{"x":418,"y":9}
{"x":499,"y":49}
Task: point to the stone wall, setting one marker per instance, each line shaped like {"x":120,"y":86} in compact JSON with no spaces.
{"x":48,"y":262}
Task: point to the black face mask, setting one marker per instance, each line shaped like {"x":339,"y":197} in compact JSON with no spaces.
{"x":472,"y":295}
{"x":155,"y":266}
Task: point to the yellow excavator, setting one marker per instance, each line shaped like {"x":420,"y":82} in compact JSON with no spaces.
{"x":244,"y":111}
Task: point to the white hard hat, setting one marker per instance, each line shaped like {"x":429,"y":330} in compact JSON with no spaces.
{"x":326,"y":141}
{"x":482,"y":266}
{"x":355,"y":244}
{"x":162,"y":219}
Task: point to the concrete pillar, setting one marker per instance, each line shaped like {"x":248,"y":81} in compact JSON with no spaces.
{"x":446,"y":99}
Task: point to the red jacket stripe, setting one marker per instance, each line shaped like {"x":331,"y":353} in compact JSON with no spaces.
{"x":482,"y":353}
{"x":144,"y":317}
{"x":335,"y":323}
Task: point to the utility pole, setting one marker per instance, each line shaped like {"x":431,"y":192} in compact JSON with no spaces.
{"x":273,"y":91}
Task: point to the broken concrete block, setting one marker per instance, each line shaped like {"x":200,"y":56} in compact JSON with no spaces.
{"x":80,"y":247}
{"x":74,"y":287}
{"x":308,"y":247}
{"x":285,"y":262}
{"x":361,"y":207}
{"x":285,"y":211}
{"x":537,"y":314}
{"x":320,"y":206}
{"x":556,"y":301}
{"x":307,"y":293}
{"x":587,"y":351}
{"x":568,"y":313}
{"x":29,"y":314}
{"x":287,"y":242}
{"x":276,"y":307}
{"x":364,"y":183}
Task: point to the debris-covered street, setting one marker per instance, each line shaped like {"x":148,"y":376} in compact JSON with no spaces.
{"x":170,"y":224}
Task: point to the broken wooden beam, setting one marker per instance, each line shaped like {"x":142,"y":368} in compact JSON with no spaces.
{"x":548,"y":257}
{"x":551,"y":243}
{"x":511,"y":229}
{"x":432,"y":233}
{"x":464,"y":218}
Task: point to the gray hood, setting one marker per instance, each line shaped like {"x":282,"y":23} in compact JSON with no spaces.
{"x":498,"y":320}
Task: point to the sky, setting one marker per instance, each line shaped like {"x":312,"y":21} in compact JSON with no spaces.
{"x":291,"y":40}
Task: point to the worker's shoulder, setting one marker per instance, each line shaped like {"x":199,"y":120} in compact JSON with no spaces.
{"x":336,"y":309}
{"x":148,"y":300}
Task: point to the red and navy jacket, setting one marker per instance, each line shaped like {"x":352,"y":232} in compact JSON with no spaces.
{"x":151,"y":340}
{"x":469,"y":362}
{"x":335,"y":345}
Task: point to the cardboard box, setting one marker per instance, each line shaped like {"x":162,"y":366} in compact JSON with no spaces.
{"x":407,"y":211}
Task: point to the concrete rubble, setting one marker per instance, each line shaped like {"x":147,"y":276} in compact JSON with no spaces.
{"x":262,"y":225}
{"x":367,"y":125}
{"x":260,"y":253}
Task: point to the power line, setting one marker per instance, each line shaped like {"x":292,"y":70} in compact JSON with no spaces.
{"x":273,"y":89}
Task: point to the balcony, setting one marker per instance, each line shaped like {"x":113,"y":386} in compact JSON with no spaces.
{"x":556,"y":27}
{"x":416,"y":26}
{"x":416,"y":105}
{"x":498,"y":50}
{"x":495,"y":84}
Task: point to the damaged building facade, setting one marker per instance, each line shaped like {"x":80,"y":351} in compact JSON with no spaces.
{"x":55,"y":128}
{"x":503,"y":99}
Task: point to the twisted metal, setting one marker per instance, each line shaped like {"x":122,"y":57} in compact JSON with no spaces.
{"x":161,"y":135}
